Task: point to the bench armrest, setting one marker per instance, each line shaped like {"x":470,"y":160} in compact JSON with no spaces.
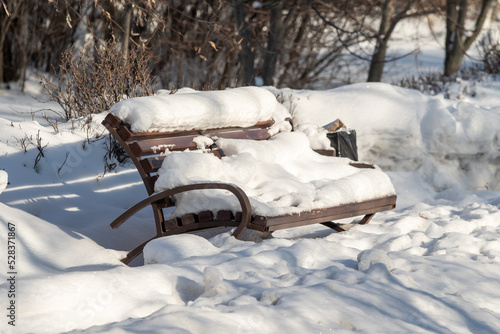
{"x":246,"y":208}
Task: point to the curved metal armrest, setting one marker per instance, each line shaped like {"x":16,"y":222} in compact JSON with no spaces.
{"x":246,"y":208}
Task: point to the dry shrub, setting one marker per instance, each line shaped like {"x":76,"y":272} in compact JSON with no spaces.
{"x":489,"y":48}
{"x":95,"y":78}
{"x":92,"y":81}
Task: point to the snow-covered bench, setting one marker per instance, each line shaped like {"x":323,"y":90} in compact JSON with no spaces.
{"x":228,"y":158}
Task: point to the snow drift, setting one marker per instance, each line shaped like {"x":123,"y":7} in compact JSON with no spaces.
{"x":449,"y":143}
{"x":430,"y":266}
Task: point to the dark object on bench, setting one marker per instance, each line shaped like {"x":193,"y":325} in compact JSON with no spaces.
{"x":145,"y":150}
{"x":345,"y":144}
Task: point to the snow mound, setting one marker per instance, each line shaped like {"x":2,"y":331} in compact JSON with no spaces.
{"x":369,"y":257}
{"x":449,"y":143}
{"x":186,"y":110}
{"x":177,"y":248}
{"x":214,"y":282}
{"x":38,"y":255}
{"x":4,"y":180}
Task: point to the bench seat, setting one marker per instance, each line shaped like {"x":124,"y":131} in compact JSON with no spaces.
{"x":280,"y":176}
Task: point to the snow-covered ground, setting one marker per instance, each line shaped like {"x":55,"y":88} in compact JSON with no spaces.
{"x":429,"y":266}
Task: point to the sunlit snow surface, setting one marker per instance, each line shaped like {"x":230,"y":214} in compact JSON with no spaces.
{"x":430,"y":266}
{"x":188,"y":109}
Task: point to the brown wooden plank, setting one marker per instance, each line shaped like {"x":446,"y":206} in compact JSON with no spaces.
{"x":224,"y":215}
{"x":160,"y":145}
{"x":361,"y":165}
{"x":125,"y":133}
{"x":205,"y":216}
{"x":151,"y":165}
{"x":256,"y":134}
{"x":195,"y":132}
{"x":323,"y":215}
{"x":188,"y":219}
{"x":170,"y":224}
{"x":256,"y":126}
{"x":157,"y":146}
{"x":259,"y":220}
{"x":328,"y":153}
{"x":112,"y":120}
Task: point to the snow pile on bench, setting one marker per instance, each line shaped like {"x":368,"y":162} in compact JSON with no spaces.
{"x":280,"y":176}
{"x":188,"y":109}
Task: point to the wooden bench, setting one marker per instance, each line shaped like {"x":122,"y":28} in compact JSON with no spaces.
{"x":146,"y":149}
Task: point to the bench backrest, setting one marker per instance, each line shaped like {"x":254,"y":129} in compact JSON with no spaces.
{"x":147,"y":149}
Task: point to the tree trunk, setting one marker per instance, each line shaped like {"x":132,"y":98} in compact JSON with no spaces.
{"x":377,"y":62}
{"x":457,"y":43}
{"x":127,"y":16}
{"x":11,"y":11}
{"x":247,"y":56}
{"x":274,"y":42}
{"x":385,"y":30}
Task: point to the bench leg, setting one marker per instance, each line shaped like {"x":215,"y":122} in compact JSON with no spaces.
{"x":334,"y":226}
{"x":136,"y":252}
{"x":366,"y":219}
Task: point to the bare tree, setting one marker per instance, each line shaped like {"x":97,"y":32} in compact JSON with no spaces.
{"x":278,"y":25}
{"x":247,"y":55}
{"x":392,"y":12}
{"x":371,"y":21}
{"x":10,"y":14}
{"x":458,"y":38}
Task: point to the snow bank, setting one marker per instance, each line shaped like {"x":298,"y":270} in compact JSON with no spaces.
{"x":4,"y":180}
{"x":449,"y":143}
{"x":280,"y":176}
{"x":188,"y":109}
{"x":37,"y":255}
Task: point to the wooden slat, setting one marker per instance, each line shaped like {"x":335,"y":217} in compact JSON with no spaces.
{"x":323,"y":215}
{"x":205,"y":216}
{"x":258,"y":125}
{"x":131,"y":136}
{"x":112,"y":120}
{"x":254,"y":134}
{"x":145,"y":147}
{"x":361,"y":165}
{"x":188,"y":219}
{"x":151,"y":165}
{"x":151,"y":180}
{"x":125,"y":133}
{"x":157,"y":146}
{"x":261,"y":220}
{"x":224,"y":215}
{"x":170,"y":224}
{"x":328,"y":153}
